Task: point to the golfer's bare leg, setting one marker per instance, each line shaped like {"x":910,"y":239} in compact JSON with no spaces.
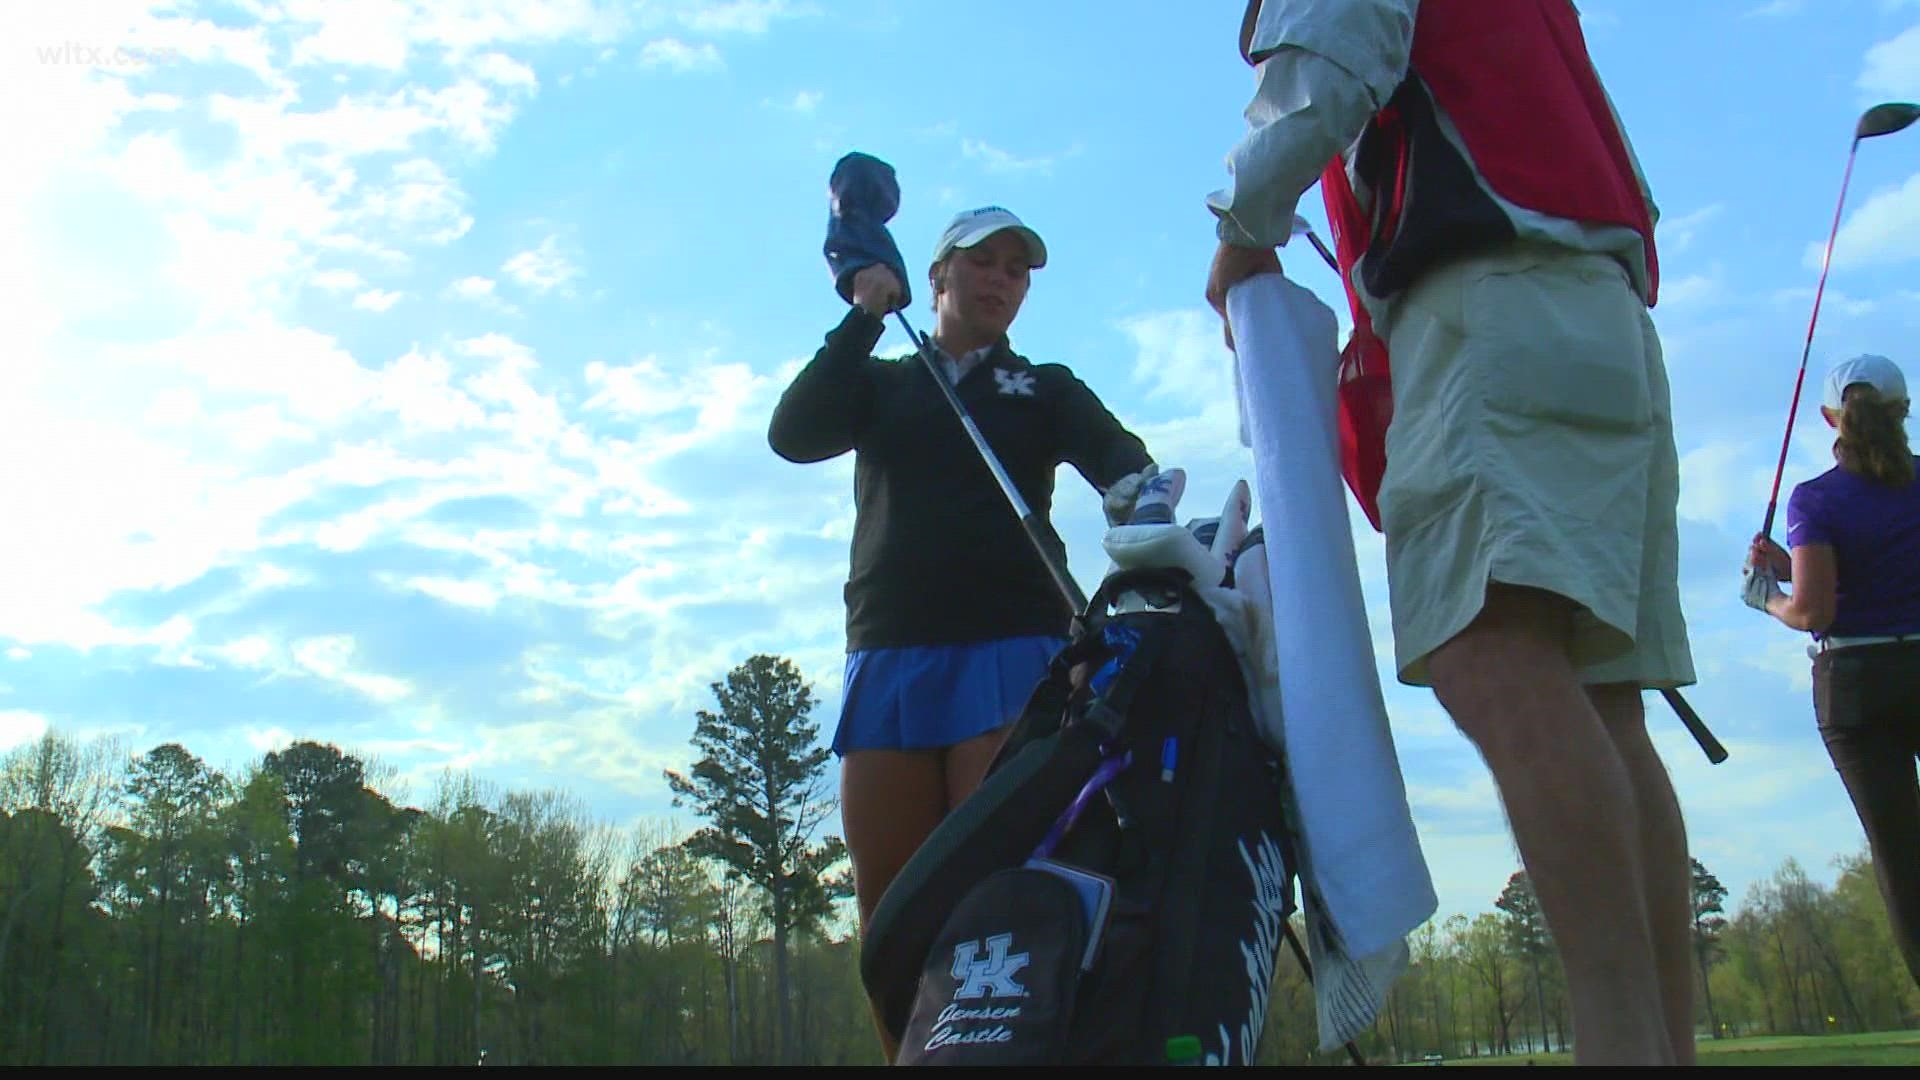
{"x":1664,"y":868}
{"x":966,"y":764}
{"x":1509,"y":682}
{"x":890,"y":800}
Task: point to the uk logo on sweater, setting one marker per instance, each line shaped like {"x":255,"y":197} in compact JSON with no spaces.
{"x":990,"y":975}
{"x":1014,"y":383}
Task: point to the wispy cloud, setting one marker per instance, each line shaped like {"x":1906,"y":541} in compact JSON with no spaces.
{"x":542,"y":269}
{"x":1891,"y":69}
{"x":1774,"y":9}
{"x":1885,"y":229}
{"x":376,"y":300}
{"x":676,"y":55}
{"x":1677,"y":234}
{"x":337,"y":280}
{"x":737,"y":16}
{"x":996,"y":160}
{"x":803,"y":102}
{"x":1693,"y":291}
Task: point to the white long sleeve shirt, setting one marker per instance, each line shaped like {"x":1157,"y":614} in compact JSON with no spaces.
{"x":1326,"y":67}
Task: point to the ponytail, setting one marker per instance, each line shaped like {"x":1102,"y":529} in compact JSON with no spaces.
{"x":1873,"y":437}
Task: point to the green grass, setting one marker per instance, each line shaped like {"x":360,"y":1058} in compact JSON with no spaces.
{"x":1872,"y":1048}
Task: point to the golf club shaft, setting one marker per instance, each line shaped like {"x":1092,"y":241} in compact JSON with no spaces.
{"x":1696,"y":727}
{"x":1333,"y":264}
{"x":1300,"y":954}
{"x":1069,"y":589}
{"x":1826,"y":262}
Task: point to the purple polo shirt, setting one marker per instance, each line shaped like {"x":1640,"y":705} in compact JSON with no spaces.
{"x":1875,"y":534}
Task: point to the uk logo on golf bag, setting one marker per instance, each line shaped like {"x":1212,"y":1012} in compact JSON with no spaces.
{"x":991,"y":976}
{"x":1014,"y":383}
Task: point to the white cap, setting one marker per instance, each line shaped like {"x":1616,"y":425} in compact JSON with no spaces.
{"x":1875,"y":371}
{"x":970,"y":227}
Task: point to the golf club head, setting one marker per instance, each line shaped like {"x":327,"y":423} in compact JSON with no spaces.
{"x":1885,"y":119}
{"x":862,"y":185}
{"x":863,"y":195}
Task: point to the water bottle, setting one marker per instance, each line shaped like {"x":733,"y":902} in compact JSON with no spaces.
{"x":1185,"y":1050}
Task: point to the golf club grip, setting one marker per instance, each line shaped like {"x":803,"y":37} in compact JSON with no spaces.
{"x":1695,"y":726}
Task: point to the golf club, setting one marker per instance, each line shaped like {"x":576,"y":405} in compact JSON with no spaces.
{"x":1883,"y":119}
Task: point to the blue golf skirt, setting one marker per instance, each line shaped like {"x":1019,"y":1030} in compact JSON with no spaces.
{"x":924,"y":697}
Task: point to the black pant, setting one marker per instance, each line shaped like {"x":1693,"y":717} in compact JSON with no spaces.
{"x":1867,"y":698}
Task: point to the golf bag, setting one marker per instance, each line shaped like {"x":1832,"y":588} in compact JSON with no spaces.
{"x":1117,"y":889}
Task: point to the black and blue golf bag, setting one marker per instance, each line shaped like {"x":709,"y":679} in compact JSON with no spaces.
{"x":1117,"y":889}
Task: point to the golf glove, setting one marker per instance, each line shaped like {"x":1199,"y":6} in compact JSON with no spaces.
{"x":1119,"y":500}
{"x":1759,"y":588}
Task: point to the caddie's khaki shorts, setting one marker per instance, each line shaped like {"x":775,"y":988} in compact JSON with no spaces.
{"x":1532,"y":444}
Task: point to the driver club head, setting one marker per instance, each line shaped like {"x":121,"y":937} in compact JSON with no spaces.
{"x":1885,"y":119}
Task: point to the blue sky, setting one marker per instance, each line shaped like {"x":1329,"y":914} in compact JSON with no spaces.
{"x":397,"y":374}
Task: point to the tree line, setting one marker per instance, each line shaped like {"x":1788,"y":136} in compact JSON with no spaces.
{"x":156,"y":910}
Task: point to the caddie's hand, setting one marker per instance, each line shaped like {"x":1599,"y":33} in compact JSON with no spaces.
{"x":876,"y":289}
{"x":1764,"y":552}
{"x":1758,"y":588}
{"x":1233,"y":264}
{"x":1117,"y":504}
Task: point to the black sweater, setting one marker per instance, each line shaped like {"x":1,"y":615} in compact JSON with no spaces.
{"x":938,"y":555}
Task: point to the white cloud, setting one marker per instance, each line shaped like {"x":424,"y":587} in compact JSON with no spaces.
{"x":472,"y":288}
{"x":1892,"y":68}
{"x":417,"y":389}
{"x":1182,"y":357}
{"x":251,"y":651}
{"x":420,"y":202}
{"x":1692,"y":291}
{"x":803,"y":102}
{"x":337,"y":280}
{"x":542,"y":269}
{"x":503,"y":70}
{"x":331,"y":658}
{"x":1677,"y":234}
{"x":269,"y":740}
{"x":736,"y":16}
{"x":1775,"y":9}
{"x":1884,"y":230}
{"x":996,"y":160}
{"x":1722,"y":479}
{"x":677,"y":55}
{"x":471,"y":594}
{"x":376,"y":300}
{"x":1833,"y":300}
{"x":19,"y":727}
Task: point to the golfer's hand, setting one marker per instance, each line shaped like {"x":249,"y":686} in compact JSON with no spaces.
{"x":876,"y":290}
{"x":1758,"y":588}
{"x":1764,"y":552}
{"x":1118,"y":502}
{"x":1233,"y":264}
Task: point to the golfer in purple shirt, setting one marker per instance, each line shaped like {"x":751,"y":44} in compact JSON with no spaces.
{"x":1855,"y":569}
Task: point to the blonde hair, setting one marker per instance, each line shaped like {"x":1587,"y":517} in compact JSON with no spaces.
{"x":1873,"y":436}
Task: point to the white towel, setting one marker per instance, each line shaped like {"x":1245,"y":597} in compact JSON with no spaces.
{"x":1365,"y":884}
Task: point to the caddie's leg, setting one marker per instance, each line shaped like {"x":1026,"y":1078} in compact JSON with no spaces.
{"x":1510,"y":683}
{"x":890,"y":801}
{"x":1664,"y":868}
